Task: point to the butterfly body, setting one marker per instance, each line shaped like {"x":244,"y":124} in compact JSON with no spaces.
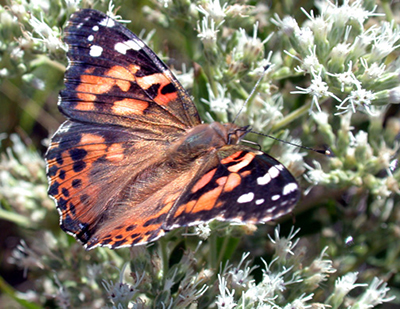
{"x":134,"y":161}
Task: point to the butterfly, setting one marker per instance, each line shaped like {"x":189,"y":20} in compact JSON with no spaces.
{"x":134,"y":160}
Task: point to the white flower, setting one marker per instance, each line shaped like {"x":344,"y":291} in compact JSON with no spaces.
{"x":269,"y":287}
{"x":375,"y":294}
{"x":241,"y":277}
{"x":203,"y":230}
{"x":349,"y":10}
{"x":360,"y":140}
{"x":49,"y":37}
{"x":384,"y":43}
{"x":213,"y":9}
{"x":284,"y":245}
{"x":251,"y":47}
{"x":318,"y":271}
{"x":299,"y":303}
{"x":239,"y":10}
{"x":346,"y":283}
{"x":347,"y":78}
{"x":188,"y":290}
{"x":207,"y":33}
{"x":340,"y":51}
{"x":319,"y":25}
{"x":310,"y":64}
{"x":218,"y":102}
{"x":360,"y":98}
{"x":165,"y":3}
{"x":304,"y":37}
{"x":321,"y":118}
{"x":275,"y":282}
{"x":288,"y":24}
{"x":110,"y":12}
{"x":120,"y":292}
{"x":373,"y":71}
{"x":262,"y":114}
{"x":73,"y":5}
{"x":316,"y":175}
{"x":318,"y":89}
{"x":225,"y":298}
{"x":323,"y":265}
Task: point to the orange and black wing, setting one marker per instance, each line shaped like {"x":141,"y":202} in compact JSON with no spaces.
{"x":241,"y":185}
{"x":111,"y":170}
{"x":114,"y":78}
{"x":124,"y":107}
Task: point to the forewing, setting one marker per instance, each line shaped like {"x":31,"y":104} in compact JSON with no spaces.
{"x":244,"y":185}
{"x":114,"y":78}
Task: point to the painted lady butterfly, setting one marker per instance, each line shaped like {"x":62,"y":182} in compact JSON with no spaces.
{"x":134,"y":161}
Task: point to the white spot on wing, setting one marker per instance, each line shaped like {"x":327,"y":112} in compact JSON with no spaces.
{"x":237,"y":220}
{"x":264,"y":179}
{"x":90,"y":38}
{"x":289,"y":188}
{"x":275,"y":197}
{"x":260,"y":201}
{"x":95,"y":28}
{"x":107,"y":22}
{"x":122,"y":47}
{"x":274,"y":171}
{"x":271,"y":209}
{"x":245,"y":198}
{"x":95,"y":51}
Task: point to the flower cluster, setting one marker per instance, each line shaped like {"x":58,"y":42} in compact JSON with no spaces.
{"x":345,"y":59}
{"x":328,"y":76}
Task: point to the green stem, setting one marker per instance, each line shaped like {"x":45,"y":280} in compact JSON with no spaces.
{"x":213,"y":251}
{"x":44,"y":60}
{"x":211,"y":78}
{"x":291,"y":117}
{"x":387,"y":10}
{"x":15,"y":218}
{"x":242,"y":92}
{"x":222,"y":250}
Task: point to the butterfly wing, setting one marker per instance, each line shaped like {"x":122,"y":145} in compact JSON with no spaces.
{"x":245,"y":185}
{"x":114,"y":188}
{"x":93,"y":171}
{"x":124,"y":107}
{"x":235,"y":183}
{"x":115,"y":78}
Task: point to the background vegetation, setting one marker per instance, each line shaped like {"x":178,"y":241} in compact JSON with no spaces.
{"x":333,"y":80}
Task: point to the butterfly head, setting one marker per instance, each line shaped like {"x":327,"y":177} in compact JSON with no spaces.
{"x":235,"y":133}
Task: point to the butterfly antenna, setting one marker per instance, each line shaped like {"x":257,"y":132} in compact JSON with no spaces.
{"x":326,"y":152}
{"x":251,"y":93}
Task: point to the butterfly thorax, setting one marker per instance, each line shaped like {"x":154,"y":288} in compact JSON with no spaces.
{"x":205,"y":138}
